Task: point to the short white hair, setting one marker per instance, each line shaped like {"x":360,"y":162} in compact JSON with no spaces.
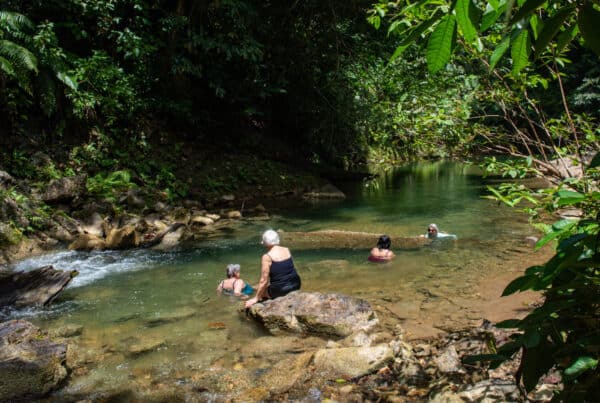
{"x":270,"y":237}
{"x":232,"y":269}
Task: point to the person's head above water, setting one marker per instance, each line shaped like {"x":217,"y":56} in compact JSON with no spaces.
{"x":232,"y":270}
{"x":384,"y":242}
{"x":270,"y":238}
{"x":432,"y":231}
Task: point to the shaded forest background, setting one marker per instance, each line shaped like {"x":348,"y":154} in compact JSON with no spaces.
{"x":140,"y":86}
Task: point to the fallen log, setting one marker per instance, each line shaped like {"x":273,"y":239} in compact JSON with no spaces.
{"x":34,"y":287}
{"x":338,"y":239}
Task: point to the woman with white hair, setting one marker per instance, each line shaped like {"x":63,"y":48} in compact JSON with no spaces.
{"x":433,"y":232}
{"x":233,"y":284}
{"x":278,"y":275}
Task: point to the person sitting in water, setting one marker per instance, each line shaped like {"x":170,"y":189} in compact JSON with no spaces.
{"x":278,"y":275}
{"x":382,"y":252}
{"x":433,"y":232}
{"x":233,"y":284}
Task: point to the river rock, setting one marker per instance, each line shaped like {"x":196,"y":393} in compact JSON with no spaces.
{"x":64,"y":189}
{"x":6,"y":179}
{"x":282,"y":376}
{"x":214,"y":217}
{"x":123,"y":238}
{"x":330,"y":315}
{"x":34,"y":287}
{"x":31,"y":365}
{"x":87,"y":242}
{"x":201,"y":220}
{"x":489,"y":390}
{"x":353,"y":361}
{"x":234,"y":215}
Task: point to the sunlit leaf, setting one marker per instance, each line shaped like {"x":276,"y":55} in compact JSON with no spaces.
{"x":499,"y":52}
{"x":467,"y":15}
{"x":566,"y":37}
{"x":581,"y":365}
{"x":440,"y":43}
{"x":490,"y":16}
{"x":568,"y":197}
{"x":519,"y":52}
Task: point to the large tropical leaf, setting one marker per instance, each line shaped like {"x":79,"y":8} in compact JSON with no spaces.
{"x":440,"y":43}
{"x":527,"y":8}
{"x":519,"y":51}
{"x":416,"y":33}
{"x":492,"y":12}
{"x":588,"y":19}
{"x":467,"y":16}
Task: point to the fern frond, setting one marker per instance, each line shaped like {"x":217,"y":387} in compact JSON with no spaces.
{"x":20,"y":57}
{"x":15,"y":21}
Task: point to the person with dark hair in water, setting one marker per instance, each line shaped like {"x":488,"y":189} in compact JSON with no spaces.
{"x":382,"y":252}
{"x":278,"y":275}
{"x":233,"y":284}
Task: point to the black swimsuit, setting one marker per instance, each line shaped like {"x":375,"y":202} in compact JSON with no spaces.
{"x":283,"y":278}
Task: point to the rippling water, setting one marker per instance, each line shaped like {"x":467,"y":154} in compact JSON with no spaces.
{"x":147,"y":315}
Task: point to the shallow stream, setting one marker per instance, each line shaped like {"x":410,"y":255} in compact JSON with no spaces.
{"x":149,"y":316}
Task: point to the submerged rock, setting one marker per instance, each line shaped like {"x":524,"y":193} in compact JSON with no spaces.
{"x":31,"y":365}
{"x":330,"y":315}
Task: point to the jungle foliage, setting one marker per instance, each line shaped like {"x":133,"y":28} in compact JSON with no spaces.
{"x":564,"y":333}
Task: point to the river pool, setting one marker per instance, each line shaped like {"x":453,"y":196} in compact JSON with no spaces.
{"x":149,"y":316}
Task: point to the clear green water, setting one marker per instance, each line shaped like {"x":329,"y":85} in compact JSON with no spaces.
{"x":146,"y":315}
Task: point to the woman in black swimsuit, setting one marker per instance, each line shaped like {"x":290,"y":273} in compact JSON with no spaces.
{"x":278,"y":275}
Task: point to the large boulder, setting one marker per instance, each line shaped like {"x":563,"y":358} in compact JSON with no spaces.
{"x":327,"y":191}
{"x":31,"y":365}
{"x":64,"y":189}
{"x":34,"y":287}
{"x":328,"y":315}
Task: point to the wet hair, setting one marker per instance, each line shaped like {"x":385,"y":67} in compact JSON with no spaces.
{"x":432,"y":226}
{"x":232,"y":269}
{"x":270,"y":238}
{"x":384,"y":242}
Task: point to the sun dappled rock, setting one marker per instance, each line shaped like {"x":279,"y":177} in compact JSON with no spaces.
{"x":63,"y":189}
{"x":353,"y":361}
{"x":330,"y":315}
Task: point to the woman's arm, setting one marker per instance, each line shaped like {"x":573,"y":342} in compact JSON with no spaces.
{"x":261,"y":291}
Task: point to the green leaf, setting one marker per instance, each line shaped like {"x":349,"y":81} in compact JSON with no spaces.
{"x":566,"y":37}
{"x":67,"y":80}
{"x":551,"y":28}
{"x":531,"y":339}
{"x":499,"y":52}
{"x":581,"y":365}
{"x":563,"y":224}
{"x":536,"y":362}
{"x":589,"y":24}
{"x":415,"y":33}
{"x":519,"y":51}
{"x":440,"y":43}
{"x":491,"y":14}
{"x":528,"y":7}
{"x":568,"y":197}
{"x":467,"y":15}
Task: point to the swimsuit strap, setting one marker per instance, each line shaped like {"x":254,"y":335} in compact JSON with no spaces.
{"x":233,"y":284}
{"x":221,"y":285}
